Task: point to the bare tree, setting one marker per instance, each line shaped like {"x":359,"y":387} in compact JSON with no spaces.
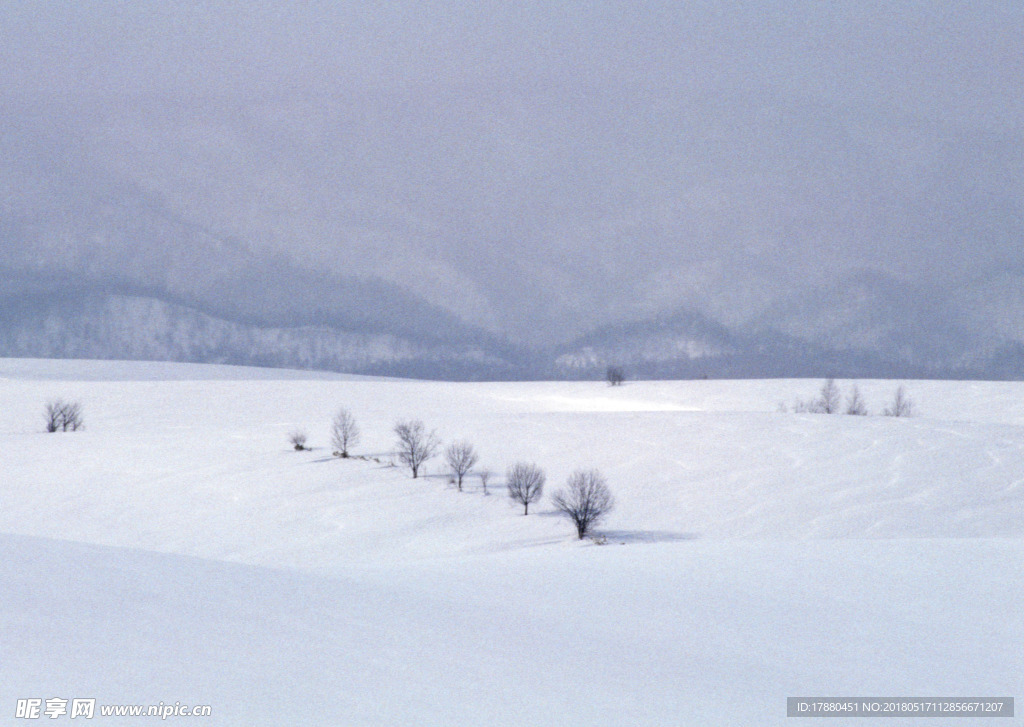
{"x":484,"y":476}
{"x":901,"y":405}
{"x":828,"y":397}
{"x":63,"y":416}
{"x":344,"y":432}
{"x":53,"y":415}
{"x":297,"y":438}
{"x":615,"y":376}
{"x":415,"y":445}
{"x":72,"y":417}
{"x":585,"y":500}
{"x":805,"y":407}
{"x":461,"y":457}
{"x":855,"y":403}
{"x":525,"y":484}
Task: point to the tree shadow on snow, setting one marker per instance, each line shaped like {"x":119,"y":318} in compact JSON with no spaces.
{"x":641,"y":536}
{"x":380,"y":461}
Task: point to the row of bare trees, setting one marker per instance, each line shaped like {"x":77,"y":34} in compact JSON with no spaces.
{"x":585,"y":500}
{"x":415,"y":445}
{"x":829,"y":401}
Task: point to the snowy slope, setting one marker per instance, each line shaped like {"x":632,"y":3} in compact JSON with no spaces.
{"x":178,"y":550}
{"x":102,"y":325}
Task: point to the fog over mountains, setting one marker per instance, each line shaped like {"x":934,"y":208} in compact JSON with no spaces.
{"x":456,"y":190}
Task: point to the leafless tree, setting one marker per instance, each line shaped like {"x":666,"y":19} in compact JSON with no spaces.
{"x":525,"y":484}
{"x":297,"y":439}
{"x":901,"y":405}
{"x":585,"y":500}
{"x":855,"y":403}
{"x":461,"y":458}
{"x":53,"y":415}
{"x":72,"y":417}
{"x":63,"y":416}
{"x":415,"y":445}
{"x":615,"y":376}
{"x":828,"y":397}
{"x":484,"y":476}
{"x":344,"y":432}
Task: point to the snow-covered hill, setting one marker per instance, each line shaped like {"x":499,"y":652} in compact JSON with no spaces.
{"x":178,"y":549}
{"x":148,"y":328}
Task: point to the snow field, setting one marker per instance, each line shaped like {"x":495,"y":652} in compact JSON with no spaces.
{"x":178,"y":549}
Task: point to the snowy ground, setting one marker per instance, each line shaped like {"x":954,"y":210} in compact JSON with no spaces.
{"x":177,"y":550}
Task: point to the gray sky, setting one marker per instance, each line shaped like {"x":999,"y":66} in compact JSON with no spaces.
{"x":949,"y":54}
{"x":563,"y":164}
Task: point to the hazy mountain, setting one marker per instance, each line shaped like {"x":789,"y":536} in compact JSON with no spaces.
{"x":843,"y":181}
{"x":95,"y":324}
{"x":688,"y":345}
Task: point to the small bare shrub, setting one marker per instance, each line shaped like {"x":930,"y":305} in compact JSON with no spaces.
{"x":298,"y":439}
{"x":855,"y":403}
{"x":806,"y":407}
{"x":901,"y":405}
{"x":828,"y":397}
{"x":827,"y":401}
{"x":63,"y":416}
{"x":53,"y":414}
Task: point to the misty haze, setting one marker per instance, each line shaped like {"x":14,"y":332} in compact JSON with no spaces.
{"x":517,"y":191}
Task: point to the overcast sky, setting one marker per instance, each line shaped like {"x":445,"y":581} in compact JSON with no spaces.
{"x":696,"y":153}
{"x":947,"y":54}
